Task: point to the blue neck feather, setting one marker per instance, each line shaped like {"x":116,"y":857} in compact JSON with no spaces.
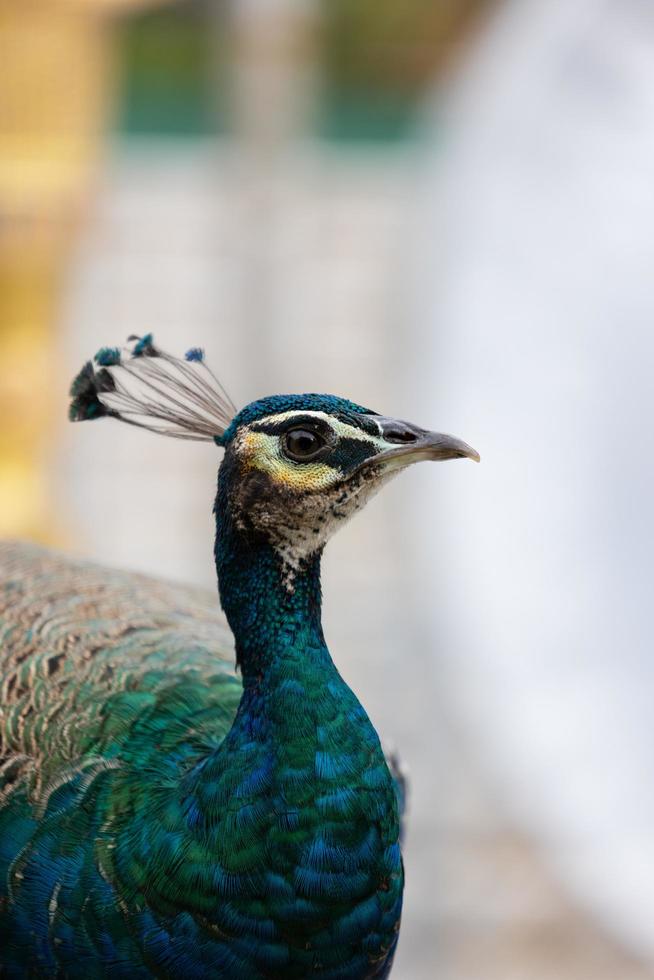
{"x":295,"y":811}
{"x":265,"y":616}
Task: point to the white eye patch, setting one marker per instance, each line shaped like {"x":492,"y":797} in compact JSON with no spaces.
{"x":342,"y":429}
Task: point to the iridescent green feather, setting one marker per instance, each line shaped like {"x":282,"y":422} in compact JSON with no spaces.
{"x":136,"y":827}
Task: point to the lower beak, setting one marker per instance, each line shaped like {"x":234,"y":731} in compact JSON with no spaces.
{"x":410,"y":444}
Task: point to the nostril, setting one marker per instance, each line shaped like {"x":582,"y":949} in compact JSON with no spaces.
{"x":399,"y":435}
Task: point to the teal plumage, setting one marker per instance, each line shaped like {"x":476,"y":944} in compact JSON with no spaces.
{"x":161,"y":815}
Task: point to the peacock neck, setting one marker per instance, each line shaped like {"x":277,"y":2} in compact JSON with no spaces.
{"x":274,"y":612}
{"x":289,"y":823}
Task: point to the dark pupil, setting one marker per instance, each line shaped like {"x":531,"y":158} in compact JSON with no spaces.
{"x":302,"y":443}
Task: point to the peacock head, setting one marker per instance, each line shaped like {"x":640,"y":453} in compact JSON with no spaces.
{"x":295,"y":466}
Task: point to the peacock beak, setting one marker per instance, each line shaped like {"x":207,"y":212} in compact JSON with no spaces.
{"x":409,"y":443}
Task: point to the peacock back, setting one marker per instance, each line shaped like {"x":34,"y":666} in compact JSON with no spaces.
{"x":101,"y":671}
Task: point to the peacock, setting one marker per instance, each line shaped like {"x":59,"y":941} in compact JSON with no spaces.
{"x":176,"y":803}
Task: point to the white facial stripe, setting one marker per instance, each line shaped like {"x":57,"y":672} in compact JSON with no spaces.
{"x":341,"y":429}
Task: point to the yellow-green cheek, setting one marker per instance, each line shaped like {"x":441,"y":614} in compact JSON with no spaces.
{"x":261,"y":452}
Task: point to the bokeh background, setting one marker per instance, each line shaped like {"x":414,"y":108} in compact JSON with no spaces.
{"x":444,"y":210}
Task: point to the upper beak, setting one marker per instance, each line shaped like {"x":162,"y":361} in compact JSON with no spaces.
{"x":410,"y":444}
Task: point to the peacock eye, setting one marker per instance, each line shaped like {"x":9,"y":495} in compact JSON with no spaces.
{"x":302,"y":445}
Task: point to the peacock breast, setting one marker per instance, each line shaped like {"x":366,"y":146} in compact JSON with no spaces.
{"x":289,"y":864}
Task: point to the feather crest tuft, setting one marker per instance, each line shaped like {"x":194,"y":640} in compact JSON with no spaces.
{"x":194,"y":354}
{"x":85,"y":404}
{"x":108,"y":356}
{"x":149,"y":388}
{"x":144,"y":346}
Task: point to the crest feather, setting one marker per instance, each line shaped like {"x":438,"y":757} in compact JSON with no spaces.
{"x":144,"y":386}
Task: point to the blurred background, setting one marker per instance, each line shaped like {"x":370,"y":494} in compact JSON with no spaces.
{"x":444,"y":210}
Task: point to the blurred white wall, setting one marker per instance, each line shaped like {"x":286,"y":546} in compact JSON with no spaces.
{"x":534,"y":324}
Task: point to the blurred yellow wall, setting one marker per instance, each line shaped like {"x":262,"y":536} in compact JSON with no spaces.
{"x":55,"y":84}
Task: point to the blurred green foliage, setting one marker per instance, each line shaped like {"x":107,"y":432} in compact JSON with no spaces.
{"x":377,"y":58}
{"x":380,"y":57}
{"x":170,"y":73}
